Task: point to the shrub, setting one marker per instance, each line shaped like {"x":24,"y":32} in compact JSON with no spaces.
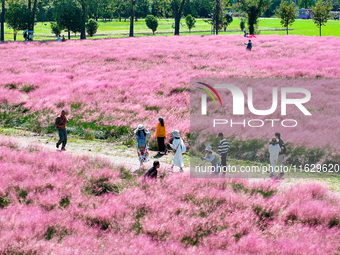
{"x":92,"y":27}
{"x":190,"y":22}
{"x":55,"y":29}
{"x":151,"y":23}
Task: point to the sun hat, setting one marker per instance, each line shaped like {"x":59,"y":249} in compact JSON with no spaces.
{"x":175,"y":133}
{"x":140,"y":127}
{"x":208,"y":148}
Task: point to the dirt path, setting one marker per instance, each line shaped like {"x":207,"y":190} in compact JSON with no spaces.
{"x":115,"y":153}
{"x":123,"y":155}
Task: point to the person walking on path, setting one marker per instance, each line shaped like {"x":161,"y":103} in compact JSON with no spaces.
{"x":141,"y":134}
{"x":179,"y":147}
{"x":213,"y":158}
{"x":281,"y":154}
{"x":274,"y":150}
{"x":60,"y":124}
{"x":223,"y":149}
{"x":249,"y":45}
{"x":161,"y":135}
{"x":152,"y":172}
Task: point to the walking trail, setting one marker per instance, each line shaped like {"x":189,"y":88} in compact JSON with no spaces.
{"x":123,"y":155}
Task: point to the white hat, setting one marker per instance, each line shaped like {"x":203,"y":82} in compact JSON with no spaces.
{"x":175,"y":133}
{"x":140,"y":127}
{"x":208,"y":148}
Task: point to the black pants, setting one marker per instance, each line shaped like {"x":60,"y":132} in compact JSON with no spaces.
{"x":161,"y":145}
{"x":223,"y":159}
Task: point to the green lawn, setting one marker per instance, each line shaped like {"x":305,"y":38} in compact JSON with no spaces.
{"x":121,"y":29}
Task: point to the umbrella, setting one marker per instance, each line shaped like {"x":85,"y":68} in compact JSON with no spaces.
{"x":31,"y":32}
{"x":24,"y":32}
{"x":252,"y":36}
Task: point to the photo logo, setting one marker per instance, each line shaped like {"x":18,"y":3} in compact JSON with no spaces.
{"x":239,"y":99}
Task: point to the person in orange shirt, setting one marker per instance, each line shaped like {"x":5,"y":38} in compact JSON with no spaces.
{"x":161,"y":135}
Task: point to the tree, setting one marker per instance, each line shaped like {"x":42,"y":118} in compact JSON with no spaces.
{"x":306,"y":3}
{"x":32,"y":8}
{"x":227,"y":20}
{"x":253,"y":10}
{"x":242,"y":24}
{"x":151,"y":23}
{"x":2,"y":18}
{"x":321,"y":13}
{"x":16,"y":17}
{"x":83,"y":4}
{"x":190,"y":21}
{"x":68,"y":16}
{"x":91,"y":27}
{"x":177,"y":9}
{"x":286,"y":13}
{"x":132,"y":16}
{"x":55,"y":29}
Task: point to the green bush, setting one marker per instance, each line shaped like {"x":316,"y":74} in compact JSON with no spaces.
{"x":151,"y":23}
{"x":92,"y":27}
{"x":55,"y":29}
{"x":190,"y":22}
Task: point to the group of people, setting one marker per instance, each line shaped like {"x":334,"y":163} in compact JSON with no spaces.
{"x":61,"y":38}
{"x":177,"y":144}
{"x":218,"y":160}
{"x":249,"y":43}
{"x":28,"y":36}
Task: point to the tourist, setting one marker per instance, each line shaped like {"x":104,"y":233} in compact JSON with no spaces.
{"x":223,"y":149}
{"x":274,"y":150}
{"x":60,"y":124}
{"x":213,"y":158}
{"x":249,"y":45}
{"x":63,"y":39}
{"x":141,"y":134}
{"x":161,"y":135}
{"x":59,"y":38}
{"x":281,"y":154}
{"x":152,"y":172}
{"x":179,"y":147}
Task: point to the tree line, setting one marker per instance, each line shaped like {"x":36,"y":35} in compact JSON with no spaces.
{"x":77,"y":16}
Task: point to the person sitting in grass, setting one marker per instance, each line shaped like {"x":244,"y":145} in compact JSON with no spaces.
{"x":152,"y":172}
{"x":60,"y":124}
{"x":141,"y":134}
{"x":274,"y":150}
{"x":213,"y":158}
{"x":161,"y":135}
{"x":249,"y":45}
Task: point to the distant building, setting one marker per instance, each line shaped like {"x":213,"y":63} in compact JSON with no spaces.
{"x":306,"y":13}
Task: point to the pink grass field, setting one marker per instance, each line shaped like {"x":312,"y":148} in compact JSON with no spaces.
{"x":171,"y":216}
{"x":128,"y":81}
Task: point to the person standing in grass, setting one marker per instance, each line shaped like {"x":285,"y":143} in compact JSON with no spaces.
{"x":141,"y":134}
{"x":213,"y":158}
{"x":179,"y":147}
{"x":249,"y":45}
{"x":60,"y":124}
{"x":223,"y":148}
{"x":281,"y":154}
{"x":161,"y":135}
{"x":274,"y":150}
{"x":152,"y":172}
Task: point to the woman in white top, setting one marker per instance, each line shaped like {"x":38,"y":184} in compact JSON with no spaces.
{"x":274,"y":150}
{"x":179,"y":147}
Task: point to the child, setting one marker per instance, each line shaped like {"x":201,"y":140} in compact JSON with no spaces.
{"x":152,"y":172}
{"x":142,"y":150}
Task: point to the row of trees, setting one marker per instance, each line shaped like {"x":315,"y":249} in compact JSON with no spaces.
{"x":73,"y":15}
